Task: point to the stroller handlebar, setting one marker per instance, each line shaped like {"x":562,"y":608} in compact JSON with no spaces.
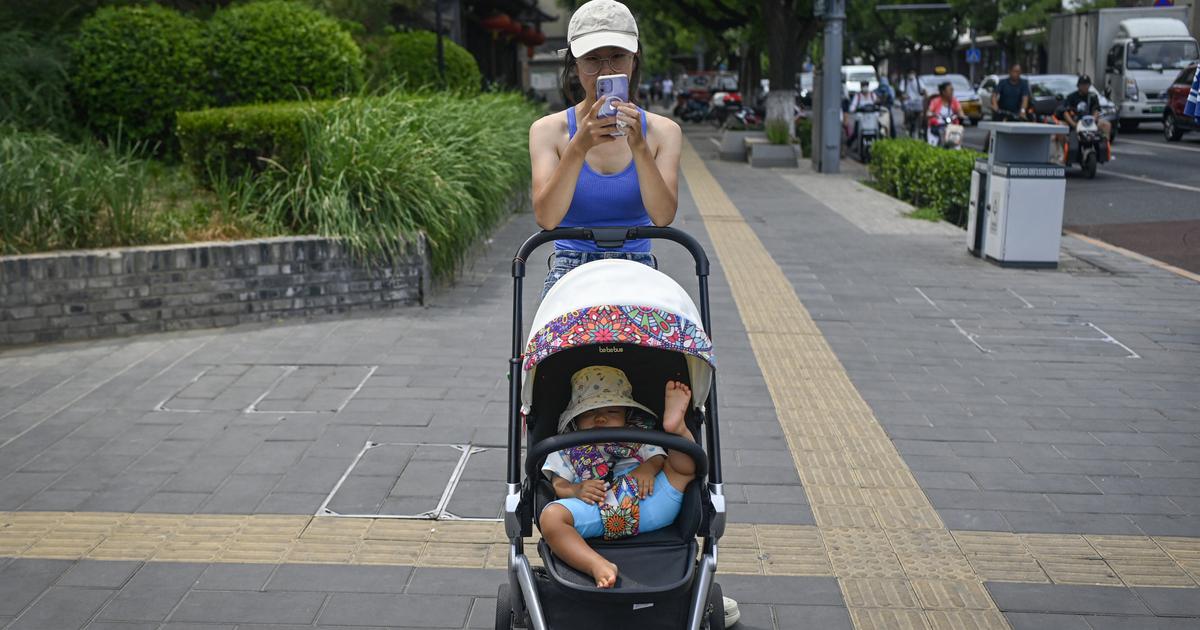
{"x":610,"y":238}
{"x":538,"y":452}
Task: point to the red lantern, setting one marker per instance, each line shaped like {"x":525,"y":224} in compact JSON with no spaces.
{"x":513,"y":28}
{"x":496,"y":22}
{"x":539,"y":38}
{"x":532,"y":37}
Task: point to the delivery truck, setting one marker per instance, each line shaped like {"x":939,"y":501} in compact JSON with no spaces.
{"x":1131,"y":54}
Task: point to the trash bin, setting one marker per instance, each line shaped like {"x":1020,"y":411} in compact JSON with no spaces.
{"x":1016,"y":206}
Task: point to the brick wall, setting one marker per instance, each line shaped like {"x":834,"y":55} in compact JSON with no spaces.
{"x":105,"y":293}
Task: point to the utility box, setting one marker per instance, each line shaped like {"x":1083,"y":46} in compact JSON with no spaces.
{"x":1016,"y":207}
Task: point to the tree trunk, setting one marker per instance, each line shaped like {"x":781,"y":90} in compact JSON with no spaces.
{"x":783,"y":38}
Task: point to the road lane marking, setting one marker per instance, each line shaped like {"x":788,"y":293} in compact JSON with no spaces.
{"x":887,"y":535}
{"x":1147,"y":180}
{"x":1158,"y":145}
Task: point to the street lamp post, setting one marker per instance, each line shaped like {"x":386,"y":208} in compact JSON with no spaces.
{"x":831,"y":87}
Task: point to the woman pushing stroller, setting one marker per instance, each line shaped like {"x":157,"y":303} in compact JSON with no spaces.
{"x":617,"y":489}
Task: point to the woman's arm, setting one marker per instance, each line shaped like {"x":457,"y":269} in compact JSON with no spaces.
{"x":658,"y":171}
{"x":554,"y":175}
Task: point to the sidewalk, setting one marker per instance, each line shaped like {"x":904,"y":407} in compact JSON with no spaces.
{"x":912,"y":438}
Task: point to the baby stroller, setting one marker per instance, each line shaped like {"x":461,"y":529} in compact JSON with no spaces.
{"x":627,"y":315}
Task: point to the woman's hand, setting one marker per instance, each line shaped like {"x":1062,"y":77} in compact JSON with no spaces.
{"x":591,"y":491}
{"x":592,"y":131}
{"x":628,"y":113}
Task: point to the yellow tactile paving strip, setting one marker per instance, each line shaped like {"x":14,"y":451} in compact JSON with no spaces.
{"x":897,"y":564}
{"x":899,"y":578}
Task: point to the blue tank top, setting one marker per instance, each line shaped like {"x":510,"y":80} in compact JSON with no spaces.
{"x":605,"y":200}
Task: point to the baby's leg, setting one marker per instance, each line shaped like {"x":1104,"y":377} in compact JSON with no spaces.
{"x":558,"y":527}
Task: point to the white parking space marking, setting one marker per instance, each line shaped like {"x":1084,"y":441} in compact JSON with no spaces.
{"x":1157,"y":145}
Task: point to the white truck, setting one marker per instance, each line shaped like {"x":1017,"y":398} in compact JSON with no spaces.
{"x":1131,"y":54}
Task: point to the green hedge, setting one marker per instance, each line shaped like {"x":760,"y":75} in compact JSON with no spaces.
{"x":226,"y":143}
{"x":133,"y":67}
{"x":410,"y":60}
{"x":925,"y":176}
{"x":374,"y":170}
{"x":277,"y":50}
{"x":36,"y":82}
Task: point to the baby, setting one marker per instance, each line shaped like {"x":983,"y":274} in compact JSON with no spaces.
{"x":613,"y":489}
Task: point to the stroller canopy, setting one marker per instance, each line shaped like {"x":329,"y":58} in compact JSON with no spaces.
{"x":619,"y":301}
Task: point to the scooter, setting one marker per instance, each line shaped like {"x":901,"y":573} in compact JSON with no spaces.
{"x":945,"y":132}
{"x":866,"y":120}
{"x":1087,"y":146}
{"x":691,"y":109}
{"x":722,"y":106}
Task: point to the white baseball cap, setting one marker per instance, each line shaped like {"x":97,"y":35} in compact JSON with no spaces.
{"x":601,"y":23}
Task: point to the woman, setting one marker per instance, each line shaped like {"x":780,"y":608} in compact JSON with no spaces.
{"x":940,"y":107}
{"x":584,"y":175}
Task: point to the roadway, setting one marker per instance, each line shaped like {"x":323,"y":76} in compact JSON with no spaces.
{"x":1147,"y":199}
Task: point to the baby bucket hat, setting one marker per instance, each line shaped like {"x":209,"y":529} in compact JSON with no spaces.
{"x":601,"y":23}
{"x":595,"y":387}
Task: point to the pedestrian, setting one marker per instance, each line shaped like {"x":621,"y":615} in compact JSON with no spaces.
{"x":668,"y":91}
{"x":590,"y":171}
{"x":912,"y":96}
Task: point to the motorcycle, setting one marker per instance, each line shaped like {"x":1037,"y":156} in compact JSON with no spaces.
{"x":690,"y":108}
{"x":743,"y":118}
{"x":945,"y":132}
{"x":722,"y":106}
{"x":866,"y":121}
{"x":1087,"y":146}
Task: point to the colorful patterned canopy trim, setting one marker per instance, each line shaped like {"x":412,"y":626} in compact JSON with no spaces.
{"x":639,"y":325}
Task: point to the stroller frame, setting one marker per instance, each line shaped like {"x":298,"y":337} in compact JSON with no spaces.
{"x":519,"y":505}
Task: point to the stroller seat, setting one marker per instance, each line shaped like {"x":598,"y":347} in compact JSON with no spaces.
{"x":651,"y":562}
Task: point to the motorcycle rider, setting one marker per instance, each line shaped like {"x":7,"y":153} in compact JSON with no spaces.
{"x":864,"y":96}
{"x":913,"y":99}
{"x":1079,"y":103}
{"x":1011,"y":97}
{"x":940,"y":107}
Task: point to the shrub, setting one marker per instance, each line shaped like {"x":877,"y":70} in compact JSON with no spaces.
{"x":925,"y":176}
{"x":410,"y":60}
{"x":133,"y":67}
{"x":376,"y":170}
{"x":804,"y":134}
{"x":36,"y":84}
{"x":778,"y":132}
{"x":57,"y":195}
{"x":277,"y":50}
{"x":230,"y":142}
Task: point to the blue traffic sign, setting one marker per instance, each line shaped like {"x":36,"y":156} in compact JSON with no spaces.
{"x":974,"y":55}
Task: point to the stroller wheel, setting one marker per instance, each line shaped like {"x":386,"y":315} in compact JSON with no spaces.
{"x":715,"y":609}
{"x":504,"y":611}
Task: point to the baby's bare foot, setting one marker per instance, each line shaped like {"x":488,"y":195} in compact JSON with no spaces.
{"x":605,"y":573}
{"x":675,"y":406}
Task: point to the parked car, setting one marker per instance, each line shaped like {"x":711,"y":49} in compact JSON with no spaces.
{"x":1060,"y":85}
{"x":1175,"y":123}
{"x":963,"y":91}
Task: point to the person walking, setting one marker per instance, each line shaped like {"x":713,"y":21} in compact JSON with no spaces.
{"x":668,"y":92}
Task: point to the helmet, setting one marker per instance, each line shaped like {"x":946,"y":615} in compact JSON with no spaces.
{"x":1083,"y":78}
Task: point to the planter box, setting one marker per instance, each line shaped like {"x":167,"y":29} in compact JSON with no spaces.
{"x":90,"y":294}
{"x":765,"y":155}
{"x":733,"y":144}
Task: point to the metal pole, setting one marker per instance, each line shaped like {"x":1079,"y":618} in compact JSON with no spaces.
{"x":831,"y":88}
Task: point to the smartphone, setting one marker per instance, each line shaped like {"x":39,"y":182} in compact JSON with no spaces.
{"x":610,"y":88}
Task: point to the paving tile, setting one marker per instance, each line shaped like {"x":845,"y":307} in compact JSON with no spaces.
{"x":435,"y":581}
{"x":100,"y":573}
{"x":1171,"y":602}
{"x":22,"y":580}
{"x":143,"y":603}
{"x":1013,"y":597}
{"x":234,"y":577}
{"x":62,"y":607}
{"x":418,"y":611}
{"x":1076,"y":484}
{"x":343,"y":579}
{"x":804,"y":591}
{"x":1041,"y":621}
{"x":248,"y":607}
{"x":1114,"y":622}
{"x":1071,"y":523}
{"x":806,"y":617}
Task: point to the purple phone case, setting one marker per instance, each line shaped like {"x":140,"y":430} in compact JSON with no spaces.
{"x":611,"y":87}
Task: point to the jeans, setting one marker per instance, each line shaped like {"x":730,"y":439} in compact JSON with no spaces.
{"x":564,"y":260}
